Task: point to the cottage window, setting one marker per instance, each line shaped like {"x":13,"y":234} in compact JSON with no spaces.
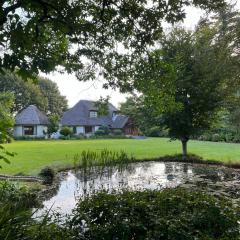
{"x":74,"y":129}
{"x":93,"y":114}
{"x":88,"y":129}
{"x":28,"y":130}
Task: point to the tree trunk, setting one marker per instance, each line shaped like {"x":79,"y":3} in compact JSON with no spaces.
{"x":184,"y":148}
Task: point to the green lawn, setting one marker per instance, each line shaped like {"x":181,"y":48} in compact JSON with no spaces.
{"x":34,"y":155}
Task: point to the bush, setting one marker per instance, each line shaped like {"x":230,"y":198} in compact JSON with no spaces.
{"x":100,"y":132}
{"x":30,"y":138}
{"x":16,"y":216}
{"x":216,"y":137}
{"x":154,"y":132}
{"x":229,"y":137}
{"x":236,"y":138}
{"x":66,"y":131}
{"x":206,"y":137}
{"x":105,"y":129}
{"x":117,"y":132}
{"x":48,"y":175}
{"x":168,"y":214}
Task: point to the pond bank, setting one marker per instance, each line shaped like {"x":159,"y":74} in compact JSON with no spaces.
{"x":74,"y":185}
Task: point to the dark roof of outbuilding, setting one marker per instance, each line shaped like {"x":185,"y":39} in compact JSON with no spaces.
{"x":120,"y":121}
{"x":32,"y":116}
{"x":79,"y":115}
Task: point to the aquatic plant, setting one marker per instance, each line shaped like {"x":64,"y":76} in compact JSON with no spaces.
{"x":105,"y":158}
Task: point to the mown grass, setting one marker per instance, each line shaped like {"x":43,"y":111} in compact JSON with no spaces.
{"x":32,"y":156}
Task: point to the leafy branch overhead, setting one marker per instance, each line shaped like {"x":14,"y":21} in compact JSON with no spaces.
{"x":6,"y":122}
{"x":40,"y":35}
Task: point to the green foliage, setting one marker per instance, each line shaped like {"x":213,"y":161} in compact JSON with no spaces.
{"x":144,"y":116}
{"x":154,"y":132}
{"x":185,"y":82}
{"x":117,"y":132}
{"x":105,"y":129}
{"x":6,"y":118}
{"x":102,"y":106}
{"x":26,"y":92}
{"x":45,"y":40}
{"x":16,"y":217}
{"x":41,"y":92}
{"x":66,"y":131}
{"x":6,"y":123}
{"x":100,"y":132}
{"x":29,"y":138}
{"x":54,"y":124}
{"x":168,"y":214}
{"x":105,"y":158}
{"x":48,"y":174}
{"x":57,"y":103}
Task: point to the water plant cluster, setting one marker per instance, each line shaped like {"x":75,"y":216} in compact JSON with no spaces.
{"x":104,"y":159}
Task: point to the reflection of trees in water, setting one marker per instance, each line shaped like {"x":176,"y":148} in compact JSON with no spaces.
{"x":169,"y":167}
{"x":173,"y":169}
{"x":117,"y":177}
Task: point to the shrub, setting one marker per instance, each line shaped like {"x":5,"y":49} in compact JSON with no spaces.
{"x":30,"y":138}
{"x":100,"y":132}
{"x":229,"y":137}
{"x":105,"y":129}
{"x":154,"y":132}
{"x":236,"y":138}
{"x":48,"y":175}
{"x":117,"y":132}
{"x":206,"y":137}
{"x":66,"y":131}
{"x":168,"y":214}
{"x":216,"y":137}
{"x":16,"y":216}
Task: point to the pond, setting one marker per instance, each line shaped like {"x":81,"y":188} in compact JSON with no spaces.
{"x":216,"y":180}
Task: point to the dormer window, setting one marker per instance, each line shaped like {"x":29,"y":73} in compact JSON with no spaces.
{"x":93,"y":114}
{"x":114,"y":115}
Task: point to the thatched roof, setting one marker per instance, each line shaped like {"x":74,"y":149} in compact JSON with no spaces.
{"x":32,"y":116}
{"x":79,"y":116}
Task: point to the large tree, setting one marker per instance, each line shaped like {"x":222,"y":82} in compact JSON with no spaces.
{"x":188,"y":79}
{"x":25,"y":92}
{"x":144,"y":116}
{"x":43,"y":93}
{"x":57,"y":103}
{"x":40,"y":35}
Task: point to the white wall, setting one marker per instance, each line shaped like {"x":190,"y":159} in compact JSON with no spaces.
{"x":18,"y":131}
{"x":41,"y":130}
{"x":96,"y":128}
{"x":80,"y":130}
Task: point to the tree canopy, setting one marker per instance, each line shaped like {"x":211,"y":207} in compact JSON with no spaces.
{"x":6,"y":123}
{"x":82,"y":36}
{"x":188,"y":79}
{"x":44,"y":93}
{"x":56,"y":103}
{"x":25,"y":92}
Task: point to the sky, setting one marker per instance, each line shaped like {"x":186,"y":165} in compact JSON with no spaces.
{"x":74,"y":90}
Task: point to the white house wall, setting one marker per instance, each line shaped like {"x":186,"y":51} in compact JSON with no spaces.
{"x":96,"y":128}
{"x":80,"y":130}
{"x":18,"y":131}
{"x":41,"y":130}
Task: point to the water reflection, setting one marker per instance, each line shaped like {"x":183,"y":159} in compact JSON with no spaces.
{"x":137,"y":176}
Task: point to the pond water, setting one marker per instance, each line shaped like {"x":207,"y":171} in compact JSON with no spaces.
{"x":144,"y":175}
